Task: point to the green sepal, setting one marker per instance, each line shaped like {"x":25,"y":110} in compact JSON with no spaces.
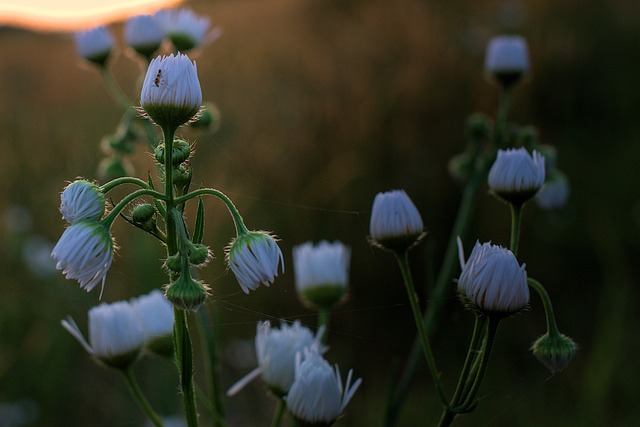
{"x":198,"y":232}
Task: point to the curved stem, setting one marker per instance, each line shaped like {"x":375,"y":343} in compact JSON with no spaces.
{"x":403,"y":262}
{"x":139,"y":397}
{"x":114,"y":89}
{"x":552,"y":327}
{"x":279,"y":413}
{"x":105,"y":188}
{"x":516,"y":215}
{"x":237,"y":218}
{"x":108,"y":220}
{"x":184,"y":355}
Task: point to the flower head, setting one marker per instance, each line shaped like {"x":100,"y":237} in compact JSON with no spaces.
{"x":186,"y":293}
{"x":321,"y":272}
{"x":94,"y":45}
{"x":507,"y":59}
{"x":395,"y":221}
{"x":254,"y":257}
{"x":317,"y":395}
{"x":115,"y":335}
{"x":554,"y":193}
{"x":155,"y":317}
{"x":171,"y":93}
{"x":493,"y":281}
{"x":554,"y":350}
{"x":517,"y":176}
{"x":81,"y":200}
{"x":185,"y":29}
{"x":85,"y":252}
{"x":143,"y":34}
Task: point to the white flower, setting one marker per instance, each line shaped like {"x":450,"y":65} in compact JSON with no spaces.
{"x":81,"y":200}
{"x":155,"y":317}
{"x":507,"y":58}
{"x":493,"y":281}
{"x":115,"y":335}
{"x":85,"y":252}
{"x":317,"y":395}
{"x":321,"y":272}
{"x":516,"y":175}
{"x":395,"y":221}
{"x":94,"y":45}
{"x":143,"y":34}
{"x":254,"y":257}
{"x":171,"y":93}
{"x":185,"y":29}
{"x":554,"y":193}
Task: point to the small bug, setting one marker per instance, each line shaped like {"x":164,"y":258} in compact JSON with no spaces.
{"x":156,"y":81}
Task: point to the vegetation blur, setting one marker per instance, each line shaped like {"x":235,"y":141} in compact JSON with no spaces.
{"x":323,"y":104}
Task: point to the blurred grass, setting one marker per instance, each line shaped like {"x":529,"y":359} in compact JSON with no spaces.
{"x":324,"y":104}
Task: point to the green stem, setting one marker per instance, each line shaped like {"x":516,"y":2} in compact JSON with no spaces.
{"x":472,"y":353}
{"x":516,"y":215}
{"x":552,"y":327}
{"x":184,"y":355}
{"x":108,"y":220}
{"x":324,"y":315}
{"x":403,"y":262}
{"x":208,"y":337}
{"x":501,"y":118}
{"x":105,"y":188}
{"x":237,"y":218}
{"x":279,"y":414}
{"x":114,"y":89}
{"x":139,"y":397}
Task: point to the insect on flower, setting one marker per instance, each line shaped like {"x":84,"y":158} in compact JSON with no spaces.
{"x":158,"y":78}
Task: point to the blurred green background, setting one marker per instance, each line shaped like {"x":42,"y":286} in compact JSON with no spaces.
{"x":325,"y":103}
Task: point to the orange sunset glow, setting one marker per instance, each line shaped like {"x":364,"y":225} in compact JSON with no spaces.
{"x":70,"y":15}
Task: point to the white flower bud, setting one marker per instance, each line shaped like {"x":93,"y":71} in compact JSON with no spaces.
{"x":321,"y":272}
{"x":395,"y":221}
{"x":143,"y":34}
{"x":94,"y":45}
{"x":254,"y":257}
{"x":554,"y":194}
{"x":81,"y":200}
{"x":507,"y":59}
{"x":493,"y":281}
{"x":185,"y":29}
{"x":515,"y":175}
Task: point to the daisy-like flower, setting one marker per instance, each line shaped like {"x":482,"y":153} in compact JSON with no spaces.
{"x":81,"y":200}
{"x":517,"y":176}
{"x":171,"y":94}
{"x":185,"y":29}
{"x":84,"y":253}
{"x":94,"y":45}
{"x":155,"y":317}
{"x":317,"y":395}
{"x":554,"y":193}
{"x":276,"y":351}
{"x":493,"y":281}
{"x":507,"y":59}
{"x":321,"y":272}
{"x":554,"y":350}
{"x":254,"y":257}
{"x":143,"y":34}
{"x":395,"y":223}
{"x":115,"y":334}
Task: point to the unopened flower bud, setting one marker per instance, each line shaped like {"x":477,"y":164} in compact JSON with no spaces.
{"x":82,"y":200}
{"x":516,"y":176}
{"x":554,"y":194}
{"x":181,"y":152}
{"x":554,"y":351}
{"x":174,"y":263}
{"x":199,"y":254}
{"x":143,"y":34}
{"x":186,"y":293}
{"x":143,"y":213}
{"x":182,"y":175}
{"x":507,"y":59}
{"x":185,"y":29}
{"x":94,"y":45}
{"x":210,"y":117}
{"x":395,"y":221}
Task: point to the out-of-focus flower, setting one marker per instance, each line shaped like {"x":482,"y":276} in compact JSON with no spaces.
{"x":143,"y":34}
{"x":507,"y":59}
{"x":321,"y":272}
{"x":554,"y":350}
{"x":84,"y":253}
{"x":115,"y":334}
{"x":317,"y":395}
{"x":81,"y":200}
{"x":155,"y":315}
{"x":254,"y":257}
{"x":94,"y":45}
{"x":395,"y":223}
{"x":171,"y":93}
{"x":554,"y":194}
{"x":516,"y":176}
{"x":184,"y":28}
{"x":493,"y":281}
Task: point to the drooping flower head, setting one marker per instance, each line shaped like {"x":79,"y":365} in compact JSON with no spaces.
{"x":84,"y":253}
{"x":254,"y":257}
{"x":507,"y":59}
{"x":143,"y":34}
{"x":115,"y":335}
{"x":94,"y":45}
{"x":321,"y":272}
{"x":516,"y":176}
{"x":185,"y":29}
{"x":171,"y":94}
{"x":554,"y":350}
{"x":81,"y":200}
{"x":317,"y":395}
{"x":395,"y":223}
{"x":493,"y":281}
{"x":155,"y":317}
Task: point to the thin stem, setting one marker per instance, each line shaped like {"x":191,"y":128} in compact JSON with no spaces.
{"x":208,"y":337}
{"x":278,"y":415}
{"x":114,"y":89}
{"x":324,"y":315}
{"x":501,"y":118}
{"x":403,"y":262}
{"x":472,"y":353}
{"x":108,"y":220}
{"x":105,"y":188}
{"x":139,"y":397}
{"x":237,"y":218}
{"x":552,"y":327}
{"x":184,"y":355}
{"x":516,"y":215}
